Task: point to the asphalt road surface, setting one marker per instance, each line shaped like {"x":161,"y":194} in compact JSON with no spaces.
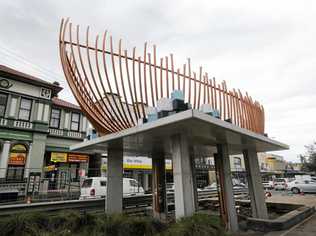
{"x":288,"y":197}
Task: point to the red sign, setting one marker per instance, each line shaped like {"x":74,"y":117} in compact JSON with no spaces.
{"x":17,"y":159}
{"x":77,"y":158}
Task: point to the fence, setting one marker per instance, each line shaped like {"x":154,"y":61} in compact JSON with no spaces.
{"x":60,"y":184}
{"x":131,"y":204}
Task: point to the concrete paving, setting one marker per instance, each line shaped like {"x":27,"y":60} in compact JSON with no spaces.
{"x":305,"y":228}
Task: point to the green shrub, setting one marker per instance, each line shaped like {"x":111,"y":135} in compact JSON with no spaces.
{"x":119,"y":225}
{"x":73,"y":223}
{"x":198,"y":224}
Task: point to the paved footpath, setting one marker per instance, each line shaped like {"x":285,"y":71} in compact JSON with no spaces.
{"x":305,"y":228}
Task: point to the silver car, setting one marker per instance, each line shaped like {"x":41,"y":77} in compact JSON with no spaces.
{"x":305,"y":186}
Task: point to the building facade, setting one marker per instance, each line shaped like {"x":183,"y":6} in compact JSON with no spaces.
{"x":36,"y":130}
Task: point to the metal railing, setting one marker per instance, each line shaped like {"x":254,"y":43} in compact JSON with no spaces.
{"x":131,"y":204}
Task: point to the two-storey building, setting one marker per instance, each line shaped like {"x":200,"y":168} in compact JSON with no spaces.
{"x":36,"y":130}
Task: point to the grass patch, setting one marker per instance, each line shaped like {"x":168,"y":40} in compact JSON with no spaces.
{"x":73,"y":223}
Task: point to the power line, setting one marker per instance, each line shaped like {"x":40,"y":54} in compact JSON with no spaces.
{"x":13,"y":55}
{"x":25,"y":59}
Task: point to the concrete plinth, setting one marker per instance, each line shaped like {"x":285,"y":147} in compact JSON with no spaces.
{"x":183,"y":178}
{"x":114,"y":191}
{"x":226,"y":187}
{"x":160,"y":210}
{"x":256,"y":191}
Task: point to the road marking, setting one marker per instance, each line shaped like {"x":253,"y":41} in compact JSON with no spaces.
{"x":295,"y":226}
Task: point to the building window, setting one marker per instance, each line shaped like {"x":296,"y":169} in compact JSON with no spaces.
{"x":3,"y":104}
{"x":16,"y":162}
{"x":75,"y":121}
{"x":25,"y":109}
{"x":237,"y":163}
{"x":55,"y":118}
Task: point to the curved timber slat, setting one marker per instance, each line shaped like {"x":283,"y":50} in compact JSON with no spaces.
{"x":115,"y":97}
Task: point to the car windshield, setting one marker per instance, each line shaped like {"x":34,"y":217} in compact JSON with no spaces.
{"x":87,"y":183}
{"x":279,"y":180}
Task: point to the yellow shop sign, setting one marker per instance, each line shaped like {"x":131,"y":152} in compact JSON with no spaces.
{"x":58,"y":157}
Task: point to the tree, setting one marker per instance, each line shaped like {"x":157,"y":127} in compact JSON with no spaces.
{"x":309,"y":159}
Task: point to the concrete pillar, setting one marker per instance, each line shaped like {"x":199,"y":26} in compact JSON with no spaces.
{"x":160,"y":209}
{"x":183,"y":179}
{"x":146,"y":181}
{"x":226,"y":186}
{"x":256,"y":191}
{"x":37,"y":152}
{"x":114,"y":191}
{"x":4,"y":159}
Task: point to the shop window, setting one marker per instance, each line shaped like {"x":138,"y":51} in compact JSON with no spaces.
{"x":3,"y":104}
{"x":16,"y":162}
{"x":75,"y":121}
{"x":25,"y":109}
{"x":55,"y":118}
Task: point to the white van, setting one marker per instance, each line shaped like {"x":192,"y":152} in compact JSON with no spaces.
{"x":95,"y":187}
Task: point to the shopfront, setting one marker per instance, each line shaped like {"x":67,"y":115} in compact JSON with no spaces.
{"x":16,"y":163}
{"x":140,"y":168}
{"x":63,"y":169}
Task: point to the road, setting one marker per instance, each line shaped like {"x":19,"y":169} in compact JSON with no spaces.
{"x":285,"y":197}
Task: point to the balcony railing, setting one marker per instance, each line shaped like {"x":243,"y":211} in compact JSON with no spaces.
{"x":18,"y":124}
{"x":3,"y":122}
{"x":22,"y":124}
{"x":56,"y":132}
{"x":66,"y":133}
{"x":40,"y":127}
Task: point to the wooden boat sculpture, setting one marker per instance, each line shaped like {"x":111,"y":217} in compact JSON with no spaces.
{"x":115,"y":88}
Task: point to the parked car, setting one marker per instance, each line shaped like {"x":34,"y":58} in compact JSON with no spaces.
{"x":95,"y":187}
{"x":210,"y":187}
{"x":279,"y":184}
{"x":213,"y":186}
{"x":306,"y":186}
{"x":268,"y":184}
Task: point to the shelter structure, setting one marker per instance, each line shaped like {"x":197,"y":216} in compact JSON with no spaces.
{"x":117,"y":101}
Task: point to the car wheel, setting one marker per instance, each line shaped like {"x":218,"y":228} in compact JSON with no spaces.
{"x":295,"y":190}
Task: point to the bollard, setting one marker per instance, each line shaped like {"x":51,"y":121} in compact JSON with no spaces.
{"x":28,"y":200}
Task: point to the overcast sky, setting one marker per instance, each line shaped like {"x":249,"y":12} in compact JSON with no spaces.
{"x":264,"y":47}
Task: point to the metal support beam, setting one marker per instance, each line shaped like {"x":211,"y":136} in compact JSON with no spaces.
{"x":256,"y":191}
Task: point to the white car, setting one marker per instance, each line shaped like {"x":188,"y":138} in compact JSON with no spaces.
{"x":268,"y":184}
{"x":213,"y":187}
{"x":280,"y":183}
{"x":305,"y":186}
{"x":95,"y":187}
